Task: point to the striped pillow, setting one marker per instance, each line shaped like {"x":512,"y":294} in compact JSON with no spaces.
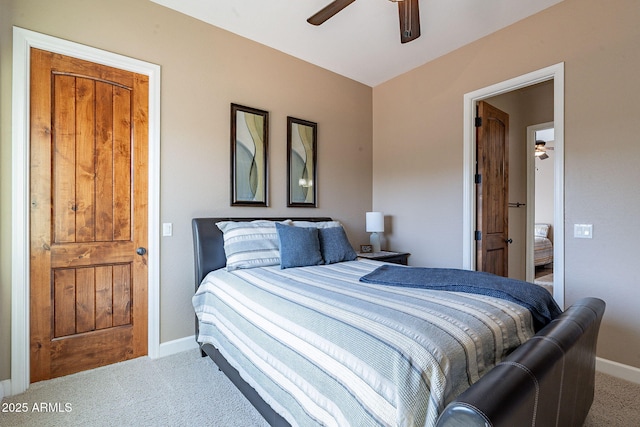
{"x":250,"y":244}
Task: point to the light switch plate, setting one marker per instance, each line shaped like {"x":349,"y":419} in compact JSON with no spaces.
{"x":167,"y":229}
{"x":583,"y":231}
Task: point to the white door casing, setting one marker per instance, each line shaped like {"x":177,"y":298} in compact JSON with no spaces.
{"x":23,"y":41}
{"x":555,"y":73}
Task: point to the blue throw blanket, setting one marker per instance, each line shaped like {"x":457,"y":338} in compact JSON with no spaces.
{"x":536,"y":299}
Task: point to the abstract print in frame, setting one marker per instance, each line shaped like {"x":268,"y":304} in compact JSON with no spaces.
{"x":249,"y":142}
{"x":301,"y":162}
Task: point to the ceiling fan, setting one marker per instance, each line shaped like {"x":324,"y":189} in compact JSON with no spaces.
{"x":407,"y":10}
{"x":541,"y":150}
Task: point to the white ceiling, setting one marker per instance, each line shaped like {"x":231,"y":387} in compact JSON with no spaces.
{"x":361,"y":42}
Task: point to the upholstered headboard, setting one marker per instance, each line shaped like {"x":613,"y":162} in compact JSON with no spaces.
{"x":208,"y":243}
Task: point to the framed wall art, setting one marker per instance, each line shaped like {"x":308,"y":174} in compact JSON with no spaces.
{"x":301,"y":163}
{"x":249,"y":143}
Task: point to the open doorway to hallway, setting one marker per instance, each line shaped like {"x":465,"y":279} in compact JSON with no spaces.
{"x":555,"y":76}
{"x":526,"y":106}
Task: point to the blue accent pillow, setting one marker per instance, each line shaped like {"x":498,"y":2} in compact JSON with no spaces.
{"x":299,"y":246}
{"x":335,"y":246}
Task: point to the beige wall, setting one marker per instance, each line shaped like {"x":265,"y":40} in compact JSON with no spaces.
{"x":5,"y":189}
{"x":204,"y":69}
{"x":418,"y":150}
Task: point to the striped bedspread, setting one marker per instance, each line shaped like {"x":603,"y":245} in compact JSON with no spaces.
{"x":323,"y":348}
{"x":542,"y":251}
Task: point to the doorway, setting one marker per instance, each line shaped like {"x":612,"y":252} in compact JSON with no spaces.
{"x":88,"y":216}
{"x":540,"y":225}
{"x":23,"y":41}
{"x":555,"y":73}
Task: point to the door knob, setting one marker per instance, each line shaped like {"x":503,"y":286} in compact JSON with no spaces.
{"x":141,"y":251}
{"x":509,"y":241}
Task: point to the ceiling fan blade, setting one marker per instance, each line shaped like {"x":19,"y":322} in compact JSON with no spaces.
{"x":328,"y":11}
{"x":409,"y":20}
{"x":543,"y":156}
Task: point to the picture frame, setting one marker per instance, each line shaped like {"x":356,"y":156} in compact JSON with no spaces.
{"x":302,"y":188}
{"x":366,"y":249}
{"x":249,"y":155}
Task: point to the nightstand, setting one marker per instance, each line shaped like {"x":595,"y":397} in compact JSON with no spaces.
{"x":386,"y":256}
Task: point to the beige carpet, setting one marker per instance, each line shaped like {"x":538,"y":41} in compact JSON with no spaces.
{"x":185,"y":390}
{"x":548,"y":285}
{"x":615,"y":403}
{"x":544,"y":278}
{"x":180,"y":390}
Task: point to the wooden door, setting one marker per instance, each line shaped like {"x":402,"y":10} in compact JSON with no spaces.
{"x":88,"y":217}
{"x":492,"y":190}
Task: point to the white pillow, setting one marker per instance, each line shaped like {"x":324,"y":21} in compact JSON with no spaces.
{"x":250,"y":244}
{"x":541,"y":230}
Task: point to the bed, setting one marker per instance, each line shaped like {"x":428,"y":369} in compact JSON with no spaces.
{"x":540,"y":376}
{"x":542,"y":246}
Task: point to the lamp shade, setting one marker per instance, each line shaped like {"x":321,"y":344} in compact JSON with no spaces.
{"x":375,"y":222}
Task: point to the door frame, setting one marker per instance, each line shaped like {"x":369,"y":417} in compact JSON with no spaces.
{"x":23,"y":41}
{"x":555,"y":73}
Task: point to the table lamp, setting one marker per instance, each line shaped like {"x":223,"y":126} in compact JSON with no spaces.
{"x":375,"y":225}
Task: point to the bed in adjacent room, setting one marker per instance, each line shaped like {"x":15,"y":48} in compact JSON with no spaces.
{"x":314,"y":336}
{"x":542,"y":246}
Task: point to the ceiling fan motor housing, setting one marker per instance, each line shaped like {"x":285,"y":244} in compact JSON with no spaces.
{"x":408,"y":11}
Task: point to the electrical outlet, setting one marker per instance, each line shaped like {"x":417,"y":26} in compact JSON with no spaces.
{"x":583,"y":231}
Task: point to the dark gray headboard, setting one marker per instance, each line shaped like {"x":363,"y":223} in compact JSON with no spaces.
{"x":208,"y":243}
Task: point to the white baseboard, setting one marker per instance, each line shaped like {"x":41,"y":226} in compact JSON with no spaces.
{"x":5,"y":388}
{"x":177,"y":346}
{"x":618,"y":370}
